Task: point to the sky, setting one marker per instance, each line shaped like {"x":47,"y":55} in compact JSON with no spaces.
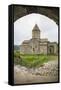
{"x":24,"y":25}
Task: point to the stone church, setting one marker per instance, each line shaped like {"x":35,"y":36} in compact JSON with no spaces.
{"x":36,"y":45}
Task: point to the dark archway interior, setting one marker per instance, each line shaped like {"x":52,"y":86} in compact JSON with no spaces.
{"x":51,"y":49}
{"x":22,"y":10}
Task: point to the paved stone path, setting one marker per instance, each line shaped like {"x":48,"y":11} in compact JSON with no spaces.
{"x":47,"y":73}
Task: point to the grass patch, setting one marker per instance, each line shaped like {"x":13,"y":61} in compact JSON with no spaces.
{"x":32,"y":61}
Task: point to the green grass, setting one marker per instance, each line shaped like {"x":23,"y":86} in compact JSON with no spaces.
{"x":32,"y":61}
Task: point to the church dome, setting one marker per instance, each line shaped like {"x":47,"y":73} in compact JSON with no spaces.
{"x":36,"y":28}
{"x":36,"y":32}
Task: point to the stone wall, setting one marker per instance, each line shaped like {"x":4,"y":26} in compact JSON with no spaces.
{"x":43,"y":48}
{"x":34,"y":44}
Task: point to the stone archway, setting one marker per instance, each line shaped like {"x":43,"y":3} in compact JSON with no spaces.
{"x":22,"y":10}
{"x":51,"y":49}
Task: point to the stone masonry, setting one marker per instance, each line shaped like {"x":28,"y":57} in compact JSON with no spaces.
{"x":36,"y":45}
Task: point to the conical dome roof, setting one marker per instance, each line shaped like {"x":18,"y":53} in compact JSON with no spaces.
{"x":36,"y":28}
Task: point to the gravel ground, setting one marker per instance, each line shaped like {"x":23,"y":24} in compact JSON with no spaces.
{"x":47,"y":73}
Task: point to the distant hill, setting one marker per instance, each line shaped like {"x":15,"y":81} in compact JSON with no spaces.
{"x":16,"y":47}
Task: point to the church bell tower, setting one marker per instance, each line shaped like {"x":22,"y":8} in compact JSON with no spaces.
{"x":36,"y":32}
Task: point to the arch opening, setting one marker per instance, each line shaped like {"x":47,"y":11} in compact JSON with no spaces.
{"x":23,"y":28}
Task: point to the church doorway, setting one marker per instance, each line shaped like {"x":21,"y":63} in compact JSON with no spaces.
{"x":51,"y":50}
